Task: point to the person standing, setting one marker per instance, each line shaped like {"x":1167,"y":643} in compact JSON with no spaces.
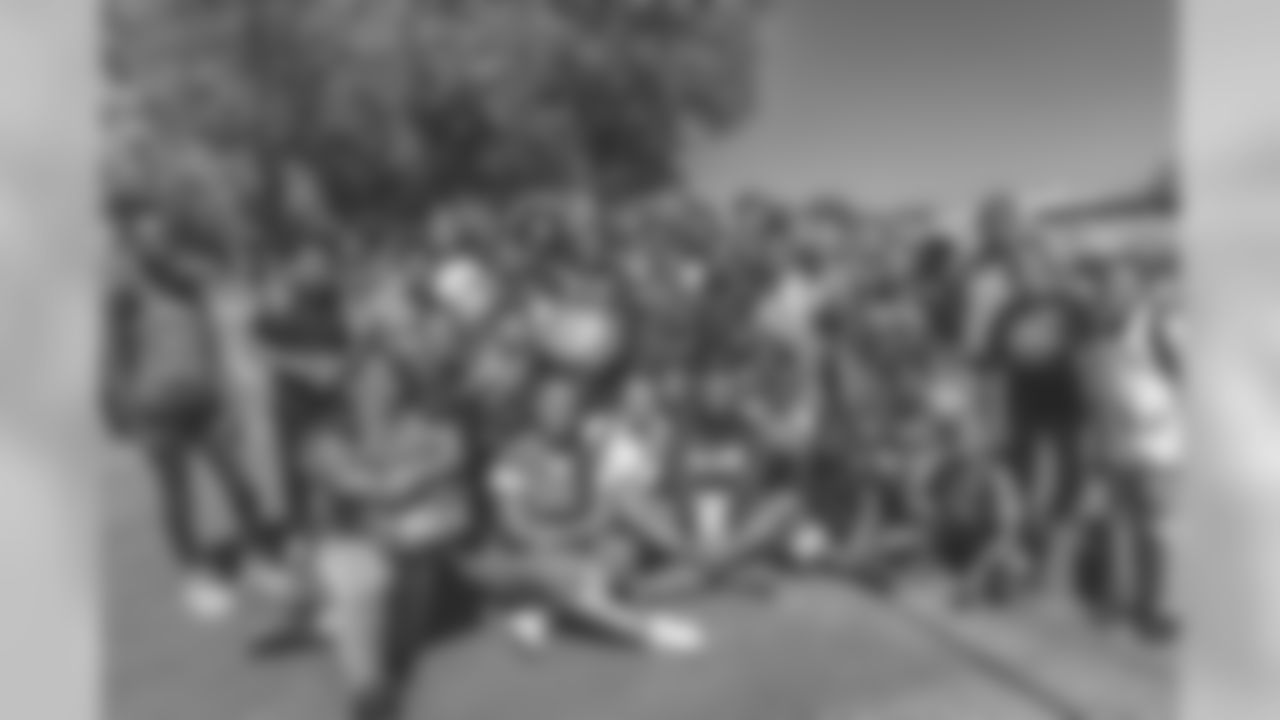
{"x":301,"y":327}
{"x":1037,"y":357}
{"x":171,"y":390}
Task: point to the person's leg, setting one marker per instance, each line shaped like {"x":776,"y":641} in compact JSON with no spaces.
{"x":411,"y":611}
{"x":354,"y":580}
{"x":207,"y":593}
{"x":758,"y":554}
{"x":1022,"y":465}
{"x":171,"y":470}
{"x":256,"y":552}
{"x":588,"y":600}
{"x":1146,"y":600}
{"x":1071,"y":494}
{"x":299,"y":410}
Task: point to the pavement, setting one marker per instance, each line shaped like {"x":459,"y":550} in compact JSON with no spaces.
{"x":821,"y":653}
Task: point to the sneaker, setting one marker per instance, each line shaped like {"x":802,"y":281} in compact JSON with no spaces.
{"x":531,"y":628}
{"x":673,"y":635}
{"x":209,"y":599}
{"x":809,"y":545}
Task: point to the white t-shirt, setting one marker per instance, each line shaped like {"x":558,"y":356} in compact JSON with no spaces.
{"x":465,"y":286}
{"x":626,"y":460}
{"x":578,"y":333}
{"x":792,"y":307}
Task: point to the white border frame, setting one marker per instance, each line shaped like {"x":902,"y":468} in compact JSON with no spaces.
{"x":1230,"y":574}
{"x":49,"y":641}
{"x":49,"y":637}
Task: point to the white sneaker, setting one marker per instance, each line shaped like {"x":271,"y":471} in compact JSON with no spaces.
{"x":809,"y":544}
{"x":208,"y":599}
{"x":531,"y":628}
{"x":674,"y":635}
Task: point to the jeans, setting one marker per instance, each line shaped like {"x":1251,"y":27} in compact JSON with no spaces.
{"x":183,"y":438}
{"x":301,"y":409}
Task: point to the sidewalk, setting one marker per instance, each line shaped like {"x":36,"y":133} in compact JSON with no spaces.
{"x":1100,"y":675}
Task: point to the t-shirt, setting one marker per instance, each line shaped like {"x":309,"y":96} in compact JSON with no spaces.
{"x":1038,"y":332}
{"x":391,"y":465}
{"x":716,"y":482}
{"x":987,"y":294}
{"x":1038,"y":347}
{"x":402,"y":479}
{"x":174,"y":353}
{"x":578,"y":333}
{"x":465,"y":286}
{"x":945,"y":311}
{"x":626,"y":458}
{"x":545,"y":492}
{"x":790,"y":312}
{"x":312,"y":321}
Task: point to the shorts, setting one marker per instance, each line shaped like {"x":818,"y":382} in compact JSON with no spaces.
{"x":182,"y":419}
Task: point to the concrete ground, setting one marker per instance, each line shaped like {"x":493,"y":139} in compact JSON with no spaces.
{"x":824,"y":653}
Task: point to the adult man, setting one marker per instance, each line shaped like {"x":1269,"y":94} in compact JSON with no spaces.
{"x":302,"y":328}
{"x":171,"y":392}
{"x":386,"y":552}
{"x":1036,"y":359}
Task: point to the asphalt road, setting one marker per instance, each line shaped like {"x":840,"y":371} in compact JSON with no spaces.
{"x":823,"y":654}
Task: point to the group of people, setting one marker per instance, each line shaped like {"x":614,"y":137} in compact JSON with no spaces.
{"x":573,"y":420}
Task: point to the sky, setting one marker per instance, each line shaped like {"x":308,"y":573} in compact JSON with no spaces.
{"x":944,"y":100}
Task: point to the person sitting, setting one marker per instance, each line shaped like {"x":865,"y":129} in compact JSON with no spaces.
{"x":387,"y":559}
{"x":737,"y":511}
{"x":559,"y":556}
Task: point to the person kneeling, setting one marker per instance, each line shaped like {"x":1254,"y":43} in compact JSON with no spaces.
{"x":388,"y":561}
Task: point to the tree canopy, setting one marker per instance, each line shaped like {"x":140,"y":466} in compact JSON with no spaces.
{"x":381,"y":108}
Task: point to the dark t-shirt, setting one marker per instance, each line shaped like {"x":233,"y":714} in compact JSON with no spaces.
{"x":1037,"y":349}
{"x":311,"y":322}
{"x":944,"y":310}
{"x":166,"y":350}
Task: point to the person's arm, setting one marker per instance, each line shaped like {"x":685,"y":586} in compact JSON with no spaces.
{"x":120,"y":349}
{"x":314,"y":365}
{"x":645,"y":515}
{"x":768,"y":522}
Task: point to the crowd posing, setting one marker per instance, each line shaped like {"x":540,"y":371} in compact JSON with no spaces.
{"x":571,"y":421}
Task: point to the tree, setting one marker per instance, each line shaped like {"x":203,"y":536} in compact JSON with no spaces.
{"x":384,"y":107}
